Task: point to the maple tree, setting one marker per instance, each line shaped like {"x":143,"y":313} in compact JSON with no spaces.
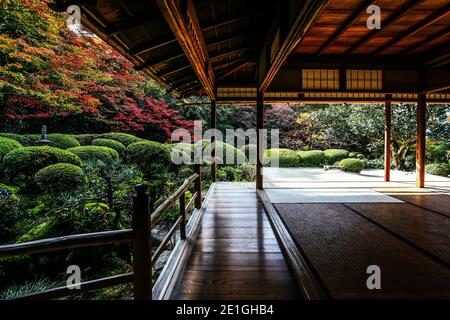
{"x":72,"y":81}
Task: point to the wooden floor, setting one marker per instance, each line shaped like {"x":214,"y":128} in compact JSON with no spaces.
{"x":236,"y":255}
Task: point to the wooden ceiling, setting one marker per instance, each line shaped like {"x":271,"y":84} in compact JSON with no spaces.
{"x":192,"y":47}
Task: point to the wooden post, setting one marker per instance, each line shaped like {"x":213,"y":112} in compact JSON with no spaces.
{"x":142,"y":245}
{"x":387,"y":139}
{"x":421,"y":140}
{"x":260,"y":140}
{"x":213,"y":141}
{"x":183,"y":216}
{"x":198,"y":186}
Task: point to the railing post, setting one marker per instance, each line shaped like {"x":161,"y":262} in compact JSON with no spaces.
{"x":183,"y":216}
{"x":198,"y":186}
{"x":142,"y":245}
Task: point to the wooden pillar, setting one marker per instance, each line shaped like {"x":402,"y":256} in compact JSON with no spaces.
{"x":260,"y":139}
{"x":142,"y":245}
{"x":198,"y":186}
{"x":387,"y":140}
{"x":421,"y":140}
{"x":213,"y":141}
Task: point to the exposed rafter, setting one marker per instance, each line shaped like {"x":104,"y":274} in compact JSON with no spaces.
{"x":153,"y":63}
{"x":226,"y":39}
{"x":168,"y":73}
{"x":152,"y":45}
{"x":425,"y":42}
{"x":217,"y":23}
{"x":190,"y":38}
{"x":346,"y":25}
{"x":132,"y":23}
{"x":438,"y":15}
{"x":227,"y":53}
{"x":233,"y":69}
{"x":404,"y":10}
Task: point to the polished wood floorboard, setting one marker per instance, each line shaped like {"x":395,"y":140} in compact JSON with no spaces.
{"x":236,"y":255}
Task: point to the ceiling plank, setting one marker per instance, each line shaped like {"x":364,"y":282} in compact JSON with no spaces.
{"x":394,"y":17}
{"x":229,"y":52}
{"x":433,"y":18}
{"x":190,"y":40}
{"x":152,"y":63}
{"x":233,"y":70}
{"x":425,"y":42}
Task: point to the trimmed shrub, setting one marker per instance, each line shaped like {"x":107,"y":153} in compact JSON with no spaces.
{"x":438,"y":169}
{"x":268,"y":153}
{"x":181,"y":153}
{"x":152,"y":157}
{"x":40,"y":231}
{"x":250,"y":150}
{"x":116,"y":145}
{"x":8,"y":145}
{"x":351,"y":165}
{"x":373,"y":164}
{"x":23,"y":163}
{"x":24,"y":140}
{"x":223,"y":151}
{"x":334,"y":155}
{"x":59,"y":177}
{"x":85,"y":139}
{"x":286,"y":158}
{"x":313,"y":158}
{"x":124,"y":138}
{"x":62,"y":141}
{"x":95,"y":153}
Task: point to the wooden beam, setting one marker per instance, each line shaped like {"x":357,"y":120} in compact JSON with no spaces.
{"x":425,"y":42}
{"x":227,"y":53}
{"x":387,"y":139}
{"x":421,"y":140}
{"x":346,"y":25}
{"x":132,"y":23}
{"x":286,"y":37}
{"x":213,"y":141}
{"x":404,"y":10}
{"x":190,"y":38}
{"x":233,"y":70}
{"x":260,"y":140}
{"x":217,"y":23}
{"x":152,"y":45}
{"x":152,"y":63}
{"x":168,"y":73}
{"x":438,"y":15}
{"x":226,"y":39}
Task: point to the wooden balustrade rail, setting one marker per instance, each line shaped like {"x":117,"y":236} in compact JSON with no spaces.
{"x":139,"y":236}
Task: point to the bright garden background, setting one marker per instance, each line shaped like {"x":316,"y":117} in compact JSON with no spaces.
{"x":110,"y":129}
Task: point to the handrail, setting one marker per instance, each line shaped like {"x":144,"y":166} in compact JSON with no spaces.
{"x":66,"y":242}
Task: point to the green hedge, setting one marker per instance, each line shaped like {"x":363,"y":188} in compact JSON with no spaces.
{"x":85,"y":139}
{"x":351,"y":165}
{"x":41,"y":231}
{"x":250,"y":150}
{"x":116,"y":145}
{"x":152,"y":157}
{"x":438,"y":169}
{"x":24,"y":140}
{"x":334,"y":155}
{"x":222,"y":149}
{"x":7,"y":145}
{"x":286,"y":158}
{"x":313,"y":158}
{"x":95,"y":153}
{"x":23,"y":163}
{"x":59,"y":177}
{"x":62,"y":141}
{"x":124,"y":138}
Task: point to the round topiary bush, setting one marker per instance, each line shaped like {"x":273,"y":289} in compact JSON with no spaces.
{"x":23,"y":163}
{"x":286,"y":158}
{"x":351,"y":165}
{"x":181,"y":153}
{"x":250,"y":152}
{"x":60,"y":177}
{"x":438,"y":169}
{"x":226,"y":153}
{"x":124,"y":138}
{"x":95,"y":153}
{"x":24,"y":140}
{"x":334,"y":155}
{"x":152,"y":157}
{"x":62,"y":141}
{"x":113,"y":144}
{"x":85,"y":139}
{"x":7,"y":145}
{"x":313,"y":158}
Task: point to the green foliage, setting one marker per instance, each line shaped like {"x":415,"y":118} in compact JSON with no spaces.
{"x":250,"y":150}
{"x":60,"y":177}
{"x":7,"y":145}
{"x":437,"y":153}
{"x":438,"y":169}
{"x":313,"y":158}
{"x":225,"y":153}
{"x":10,"y":214}
{"x":24,"y":140}
{"x":124,"y":138}
{"x":62,"y":141}
{"x":286,"y":158}
{"x":119,"y":147}
{"x":85,"y":139}
{"x":95,"y":153}
{"x":373,"y":163}
{"x":351,"y":165}
{"x":22,"y":164}
{"x":334,"y":155}
{"x":152,"y":157}
{"x":41,"y":231}
{"x":27,"y":288}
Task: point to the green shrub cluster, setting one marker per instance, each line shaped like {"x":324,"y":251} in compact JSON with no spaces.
{"x":23,"y":163}
{"x":226,"y":153}
{"x":250,"y":150}
{"x":62,"y":141}
{"x":7,"y":145}
{"x":351,"y":165}
{"x":24,"y":140}
{"x":113,"y":144}
{"x":152,"y":157}
{"x":85,"y":139}
{"x":335,"y":155}
{"x":438,"y":169}
{"x":313,"y":158}
{"x":60,"y":177}
{"x":95,"y":153}
{"x":124,"y":138}
{"x":286,"y":158}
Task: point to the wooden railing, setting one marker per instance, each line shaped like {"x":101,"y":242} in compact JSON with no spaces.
{"x":139,"y":236}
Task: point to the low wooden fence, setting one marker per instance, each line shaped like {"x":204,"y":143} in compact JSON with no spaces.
{"x":139,"y":236}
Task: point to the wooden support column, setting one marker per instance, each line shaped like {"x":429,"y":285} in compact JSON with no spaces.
{"x":421,"y":140}
{"x":260,"y":140}
{"x":213,"y":140}
{"x":387,"y":139}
